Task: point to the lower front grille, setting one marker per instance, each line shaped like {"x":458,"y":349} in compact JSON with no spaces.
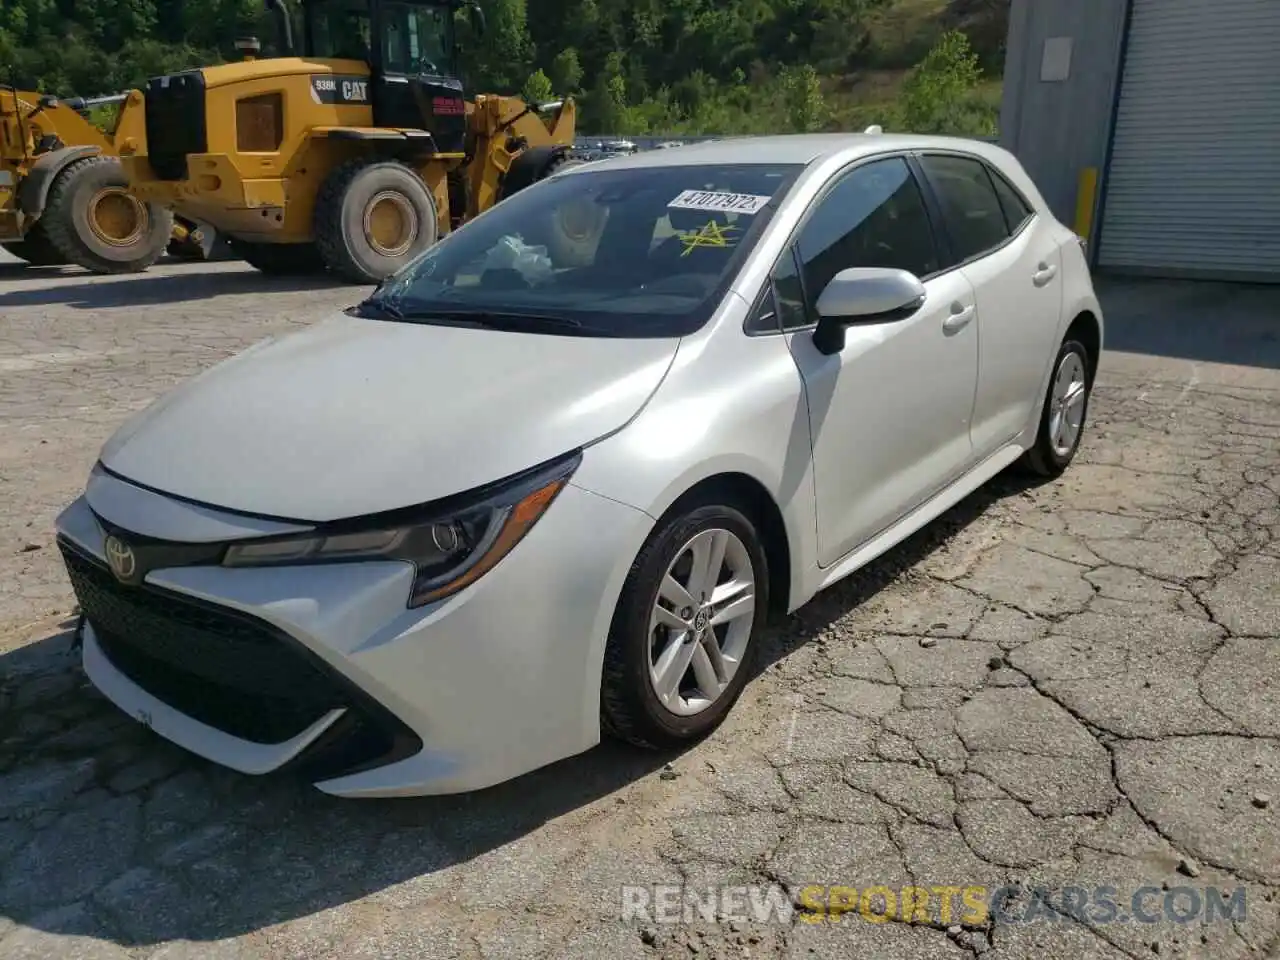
{"x":229,"y":670}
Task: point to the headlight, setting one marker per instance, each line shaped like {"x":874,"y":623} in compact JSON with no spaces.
{"x":450,"y":547}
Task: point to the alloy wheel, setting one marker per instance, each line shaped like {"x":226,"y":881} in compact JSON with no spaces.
{"x":1066,"y":416}
{"x":701,"y":622}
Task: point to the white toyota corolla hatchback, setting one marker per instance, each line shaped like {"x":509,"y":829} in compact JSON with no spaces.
{"x":550,"y":480}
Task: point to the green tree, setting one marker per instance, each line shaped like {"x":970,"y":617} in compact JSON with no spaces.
{"x":566,"y":71}
{"x":802,"y":93}
{"x":538,"y":89}
{"x":937,"y":95}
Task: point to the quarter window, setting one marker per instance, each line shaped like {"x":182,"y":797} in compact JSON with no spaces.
{"x":781,"y":307}
{"x":970,"y":208}
{"x":873,"y":217}
{"x":1016,"y":210}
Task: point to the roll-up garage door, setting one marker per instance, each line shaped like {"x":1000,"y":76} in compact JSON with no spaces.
{"x":1193,"y":186}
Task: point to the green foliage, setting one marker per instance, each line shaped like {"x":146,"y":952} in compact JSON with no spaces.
{"x":566,"y":71}
{"x":938,"y":94}
{"x":802,"y":93}
{"x":537,"y":89}
{"x":638,"y":66}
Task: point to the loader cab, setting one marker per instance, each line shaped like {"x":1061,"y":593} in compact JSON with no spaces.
{"x":411,"y":49}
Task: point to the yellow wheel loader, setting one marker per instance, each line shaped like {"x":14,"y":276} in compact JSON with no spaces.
{"x":63,"y":196}
{"x":351,"y":157}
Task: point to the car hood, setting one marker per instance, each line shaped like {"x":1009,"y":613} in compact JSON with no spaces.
{"x":356,"y":416}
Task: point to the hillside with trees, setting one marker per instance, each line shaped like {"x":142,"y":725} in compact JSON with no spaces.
{"x":636,"y":66}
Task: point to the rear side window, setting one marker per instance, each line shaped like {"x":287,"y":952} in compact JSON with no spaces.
{"x":974,"y":217}
{"x":1016,"y":210}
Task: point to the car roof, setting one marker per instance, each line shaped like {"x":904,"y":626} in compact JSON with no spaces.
{"x":800,"y":148}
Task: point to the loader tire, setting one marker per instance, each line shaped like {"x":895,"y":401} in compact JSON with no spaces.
{"x":93,"y":220}
{"x":373,"y":217}
{"x":36,"y":249}
{"x":574,"y":232}
{"x":279,"y":259}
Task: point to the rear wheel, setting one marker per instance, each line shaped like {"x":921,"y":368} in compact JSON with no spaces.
{"x":372,"y":217}
{"x":280,"y":259}
{"x":1066,"y":407}
{"x":93,"y":221}
{"x":36,"y":249}
{"x":576,"y":227}
{"x":686,"y":633}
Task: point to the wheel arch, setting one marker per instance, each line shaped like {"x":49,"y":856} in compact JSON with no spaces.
{"x":746,"y":492}
{"x":1086,"y":328}
{"x":33,"y":191}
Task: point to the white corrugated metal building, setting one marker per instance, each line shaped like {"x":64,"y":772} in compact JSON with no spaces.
{"x":1154,"y":127}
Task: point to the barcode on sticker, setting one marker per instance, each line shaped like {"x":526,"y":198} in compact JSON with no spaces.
{"x":719,"y":201}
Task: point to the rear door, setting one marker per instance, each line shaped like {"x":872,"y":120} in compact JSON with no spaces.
{"x":1013,"y":259}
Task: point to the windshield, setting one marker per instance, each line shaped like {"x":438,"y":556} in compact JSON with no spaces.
{"x":647,"y":252}
{"x":416,"y":38}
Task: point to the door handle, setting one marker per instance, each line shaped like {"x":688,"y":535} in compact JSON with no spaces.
{"x":1044,"y":273}
{"x":959,"y":318}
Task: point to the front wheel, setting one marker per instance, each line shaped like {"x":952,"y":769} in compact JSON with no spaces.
{"x":372,"y":217}
{"x":1066,"y":407}
{"x":686,"y":633}
{"x":93,"y":220}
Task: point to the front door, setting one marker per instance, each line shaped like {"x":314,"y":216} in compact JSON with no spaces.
{"x":889,"y":414}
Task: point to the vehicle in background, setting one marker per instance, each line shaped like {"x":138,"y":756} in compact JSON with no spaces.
{"x":353,"y":157}
{"x":63,"y":196}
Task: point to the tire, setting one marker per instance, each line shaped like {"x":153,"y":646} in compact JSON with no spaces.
{"x":93,"y":221}
{"x":572,"y":242}
{"x":373,"y":217}
{"x":36,"y":249}
{"x":630,"y":708}
{"x":280,"y":259}
{"x":1048,"y":457}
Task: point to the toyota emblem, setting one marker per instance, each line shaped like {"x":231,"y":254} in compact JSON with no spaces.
{"x":121,"y":559}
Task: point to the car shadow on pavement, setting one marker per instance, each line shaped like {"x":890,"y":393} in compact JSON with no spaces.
{"x":184,"y":283}
{"x":109,"y":832}
{"x":841,"y":598}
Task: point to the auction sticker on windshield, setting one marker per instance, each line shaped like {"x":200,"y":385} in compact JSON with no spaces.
{"x":719,"y":201}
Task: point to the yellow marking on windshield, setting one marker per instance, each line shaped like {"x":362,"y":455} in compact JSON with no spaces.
{"x":711,"y":234}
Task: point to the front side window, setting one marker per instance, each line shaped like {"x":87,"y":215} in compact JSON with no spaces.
{"x":600,"y":252}
{"x":874,"y":217}
{"x":971,"y":210}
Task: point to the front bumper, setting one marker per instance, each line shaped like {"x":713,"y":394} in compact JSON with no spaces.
{"x":324,"y":670}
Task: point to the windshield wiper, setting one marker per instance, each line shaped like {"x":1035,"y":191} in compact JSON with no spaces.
{"x":496,"y":319}
{"x":377,"y":309}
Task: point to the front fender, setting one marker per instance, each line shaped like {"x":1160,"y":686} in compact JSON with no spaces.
{"x":33,"y":192}
{"x":730,"y":405}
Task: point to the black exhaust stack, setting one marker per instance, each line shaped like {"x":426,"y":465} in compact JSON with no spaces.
{"x":284,"y":25}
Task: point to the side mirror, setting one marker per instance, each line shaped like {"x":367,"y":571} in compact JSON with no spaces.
{"x":863,"y":295}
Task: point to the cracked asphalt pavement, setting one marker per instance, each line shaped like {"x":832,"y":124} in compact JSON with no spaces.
{"x":1069,"y":685}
